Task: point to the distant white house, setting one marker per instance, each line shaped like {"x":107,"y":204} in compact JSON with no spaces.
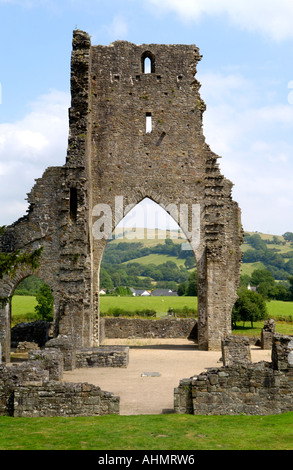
{"x":139,"y":292}
{"x":102,"y":292}
{"x":249,"y":287}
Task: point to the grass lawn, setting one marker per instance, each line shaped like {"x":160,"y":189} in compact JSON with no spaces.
{"x":148,"y":432}
{"x":277,"y":308}
{"x":23,"y":309}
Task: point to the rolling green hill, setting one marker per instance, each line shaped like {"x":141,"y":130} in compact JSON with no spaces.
{"x":260,"y":251}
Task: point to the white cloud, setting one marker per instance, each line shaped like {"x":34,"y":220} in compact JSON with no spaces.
{"x":270,"y":17}
{"x":119,"y":27}
{"x":28,"y":147}
{"x":255,"y":142}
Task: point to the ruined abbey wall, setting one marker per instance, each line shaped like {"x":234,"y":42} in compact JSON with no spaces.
{"x":262,"y":388}
{"x":113,"y":162}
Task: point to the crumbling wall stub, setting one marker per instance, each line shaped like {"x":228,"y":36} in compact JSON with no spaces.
{"x":262,"y":388}
{"x":111,"y":154}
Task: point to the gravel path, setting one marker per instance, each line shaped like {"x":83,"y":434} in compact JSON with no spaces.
{"x":172,"y":359}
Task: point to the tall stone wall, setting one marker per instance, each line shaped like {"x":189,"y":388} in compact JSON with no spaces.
{"x":113,"y":162}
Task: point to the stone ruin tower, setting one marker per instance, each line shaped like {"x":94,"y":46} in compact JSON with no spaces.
{"x":132,"y":135}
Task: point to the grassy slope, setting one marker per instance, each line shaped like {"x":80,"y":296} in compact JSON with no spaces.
{"x":152,"y":238}
{"x":248,"y":268}
{"x":156,"y":259}
{"x":152,"y":432}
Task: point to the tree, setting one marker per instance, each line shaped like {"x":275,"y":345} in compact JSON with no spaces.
{"x":192,"y":284}
{"x":10,"y":262}
{"x":122,"y":291}
{"x":189,"y":263}
{"x":291,"y":286}
{"x":182,"y":289}
{"x":288,"y":236}
{"x":105,"y":280}
{"x":262,"y":276}
{"x":250,"y":306}
{"x":263,"y":280}
{"x":45,"y":305}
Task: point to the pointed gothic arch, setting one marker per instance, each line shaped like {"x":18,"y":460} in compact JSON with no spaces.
{"x":148,"y":62}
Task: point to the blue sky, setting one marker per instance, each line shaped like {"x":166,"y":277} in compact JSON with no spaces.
{"x":247,"y":83}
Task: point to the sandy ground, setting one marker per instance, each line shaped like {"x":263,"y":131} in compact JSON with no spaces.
{"x":147,"y":394}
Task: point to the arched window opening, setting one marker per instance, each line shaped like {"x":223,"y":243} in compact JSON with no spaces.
{"x":148,"y":62}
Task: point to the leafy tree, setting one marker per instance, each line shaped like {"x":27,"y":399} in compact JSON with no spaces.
{"x":263,"y":280}
{"x":257,"y":242}
{"x":45,"y":299}
{"x":189,"y":263}
{"x":291,"y":286}
{"x":288,"y":236}
{"x":122,"y":291}
{"x":192,"y":284}
{"x":182,"y":288}
{"x":261,"y":276}
{"x":250,"y":306}
{"x":289,"y":266}
{"x":280,"y":291}
{"x":105,"y":280}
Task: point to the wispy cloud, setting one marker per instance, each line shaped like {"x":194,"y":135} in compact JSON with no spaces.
{"x":28,"y":147}
{"x":118,"y":28}
{"x":270,"y":17}
{"x":252,"y":139}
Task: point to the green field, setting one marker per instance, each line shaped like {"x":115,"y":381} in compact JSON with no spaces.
{"x":277,"y":308}
{"x":23,"y":310}
{"x":160,"y":304}
{"x":23,"y":304}
{"x":152,"y":432}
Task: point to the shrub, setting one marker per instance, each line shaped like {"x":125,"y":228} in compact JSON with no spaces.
{"x":119,"y":312}
{"x":184,"y":312}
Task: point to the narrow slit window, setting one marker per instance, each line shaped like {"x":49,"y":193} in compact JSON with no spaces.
{"x":73,"y":203}
{"x":148,"y":123}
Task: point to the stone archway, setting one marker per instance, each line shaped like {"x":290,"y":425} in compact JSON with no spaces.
{"x":8,"y":287}
{"x":112,"y":154}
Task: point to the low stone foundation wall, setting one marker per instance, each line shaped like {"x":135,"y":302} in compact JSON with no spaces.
{"x":104,"y":356}
{"x":119,"y":327}
{"x":63,"y":399}
{"x":256,"y":389}
{"x":35,"y":388}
